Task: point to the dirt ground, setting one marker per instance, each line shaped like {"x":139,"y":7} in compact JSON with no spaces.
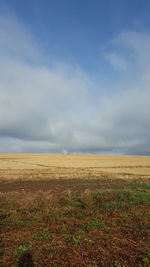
{"x":95,"y":216}
{"x":62,"y":185}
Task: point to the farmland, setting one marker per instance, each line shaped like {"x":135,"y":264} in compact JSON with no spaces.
{"x":75,"y":210}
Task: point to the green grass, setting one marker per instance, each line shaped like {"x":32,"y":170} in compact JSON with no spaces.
{"x":89,"y":241}
{"x":55,"y":217}
{"x":87,"y":183}
{"x":80,"y":202}
{"x":87,"y":227}
{"x":96,"y":223}
{"x":119,"y":199}
{"x":140,"y":197}
{"x":44,"y":236}
{"x":19,"y":250}
{"x":19,"y":222}
{"x":114,"y":205}
{"x":140,"y":186}
{"x":74,"y":239}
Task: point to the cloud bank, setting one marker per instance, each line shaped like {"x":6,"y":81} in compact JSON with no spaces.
{"x":57,"y":107}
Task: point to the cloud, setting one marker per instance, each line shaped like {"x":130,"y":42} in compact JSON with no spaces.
{"x":60,"y":108}
{"x":16,"y":40}
{"x":117,"y":61}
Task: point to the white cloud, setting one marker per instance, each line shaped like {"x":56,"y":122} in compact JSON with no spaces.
{"x":116,"y":60}
{"x":16,"y":41}
{"x":137,"y":48}
{"x":52,"y":109}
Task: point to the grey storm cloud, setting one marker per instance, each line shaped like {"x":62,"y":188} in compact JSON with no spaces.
{"x":60,"y":108}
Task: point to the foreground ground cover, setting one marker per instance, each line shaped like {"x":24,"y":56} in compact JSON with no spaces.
{"x":76,"y":222}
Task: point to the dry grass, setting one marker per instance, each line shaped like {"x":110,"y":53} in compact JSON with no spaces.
{"x":75,"y":210}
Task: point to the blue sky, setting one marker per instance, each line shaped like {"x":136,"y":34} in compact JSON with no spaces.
{"x":74,"y":76}
{"x":78,"y":30}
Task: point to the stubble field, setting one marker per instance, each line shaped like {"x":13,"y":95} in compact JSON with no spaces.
{"x":75,"y":210}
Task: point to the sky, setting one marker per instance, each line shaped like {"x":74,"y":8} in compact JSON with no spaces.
{"x":75,"y":76}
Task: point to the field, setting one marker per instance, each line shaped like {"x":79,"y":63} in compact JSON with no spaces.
{"x":75,"y":210}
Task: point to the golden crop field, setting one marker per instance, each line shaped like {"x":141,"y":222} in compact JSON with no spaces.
{"x":30,"y":166}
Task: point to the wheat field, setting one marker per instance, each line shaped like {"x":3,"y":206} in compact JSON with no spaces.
{"x":34,"y":166}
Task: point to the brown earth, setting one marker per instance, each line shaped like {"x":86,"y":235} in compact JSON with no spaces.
{"x":62,"y":185}
{"x":68,"y":210}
